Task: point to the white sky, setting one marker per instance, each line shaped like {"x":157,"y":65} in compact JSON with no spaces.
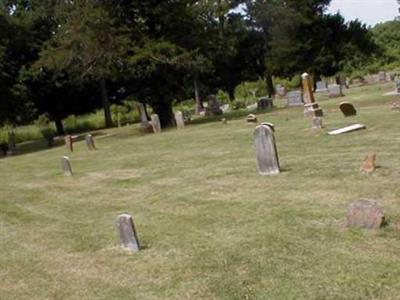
{"x":367,"y":11}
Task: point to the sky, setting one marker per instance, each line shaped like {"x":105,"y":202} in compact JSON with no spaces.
{"x":367,"y":11}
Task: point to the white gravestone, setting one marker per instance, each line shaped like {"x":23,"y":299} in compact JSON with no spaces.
{"x":90,"y":142}
{"x":267,"y":155}
{"x":180,"y":123}
{"x":155,"y":122}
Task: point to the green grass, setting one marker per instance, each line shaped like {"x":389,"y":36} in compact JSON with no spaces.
{"x":211,"y":227}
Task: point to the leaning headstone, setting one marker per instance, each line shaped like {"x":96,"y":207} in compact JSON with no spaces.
{"x":267,"y":155}
{"x":69,"y":143}
{"x":155,"y":122}
{"x":270,"y":125}
{"x":347,"y":109}
{"x":365,"y":213}
{"x":295,"y":98}
{"x":264,"y":103}
{"x":213,"y":108}
{"x":180,"y":123}
{"x":66,"y":166}
{"x":251,"y":118}
{"x":335,"y":91}
{"x":347,"y":129}
{"x":368,"y":165}
{"x":127,"y":233}
{"x":321,"y":87}
{"x":311,"y":107}
{"x":90,"y":142}
{"x":11,"y":143}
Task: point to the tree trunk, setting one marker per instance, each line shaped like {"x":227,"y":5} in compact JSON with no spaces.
{"x":59,"y":126}
{"x":231,"y":94}
{"x":106,"y":104}
{"x":164,"y":112}
{"x":270,"y":85}
{"x":199,"y":105}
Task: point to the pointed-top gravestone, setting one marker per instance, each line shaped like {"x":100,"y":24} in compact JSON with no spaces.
{"x":69,"y":144}
{"x":127,"y":233}
{"x":365,"y":213}
{"x":66,"y":166}
{"x":155,"y":122}
{"x":251,"y":118}
{"x":347,"y":109}
{"x":267,"y":155}
{"x":90,"y":142}
{"x":180,"y":123}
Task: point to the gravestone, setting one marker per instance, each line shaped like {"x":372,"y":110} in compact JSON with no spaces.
{"x":266,"y":153}
{"x":382,"y":76}
{"x":281,"y":90}
{"x":66,"y":166}
{"x":365,"y":213}
{"x":321,"y":87}
{"x":295,"y":98}
{"x":264,"y":103}
{"x":69,"y":143}
{"x":180,"y":123}
{"x":155,"y":122}
{"x":213,"y":108}
{"x":311,"y":108}
{"x":368,"y":165}
{"x":347,"y":109}
{"x":127,"y":233}
{"x":11,"y":143}
{"x":316,"y":123}
{"x":251,"y":118}
{"x":90,"y":142}
{"x":335,"y":91}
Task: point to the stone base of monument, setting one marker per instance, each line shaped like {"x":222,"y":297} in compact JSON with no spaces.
{"x":312,"y":110}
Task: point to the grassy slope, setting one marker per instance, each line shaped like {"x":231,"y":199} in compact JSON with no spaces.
{"x":211,"y":226}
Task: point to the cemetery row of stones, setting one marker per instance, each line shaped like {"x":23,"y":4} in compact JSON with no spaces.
{"x":364,"y":213}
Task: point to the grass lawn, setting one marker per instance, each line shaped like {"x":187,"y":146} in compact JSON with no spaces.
{"x":211,"y":227}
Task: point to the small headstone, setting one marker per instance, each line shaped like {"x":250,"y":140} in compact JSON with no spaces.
{"x":224,"y":121}
{"x":347,"y":109}
{"x":264,"y":103}
{"x":316,"y":123}
{"x":335,"y":91}
{"x":66,"y":166}
{"x":368,"y":166}
{"x":127,"y":233}
{"x":90,"y":142}
{"x":270,"y":125}
{"x":321,"y":87}
{"x":366,"y":214}
{"x":295,"y":98}
{"x":155,"y":122}
{"x":347,"y":129}
{"x":180,"y":123}
{"x":267,"y":155}
{"x":69,"y":143}
{"x":251,"y":118}
{"x":213,"y":108}
{"x":382,"y":76}
{"x":281,"y":90}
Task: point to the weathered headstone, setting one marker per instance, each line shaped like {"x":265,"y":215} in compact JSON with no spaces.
{"x":127,"y":233}
{"x":11,"y":143}
{"x":267,"y":155}
{"x":295,"y":98}
{"x":335,"y":91}
{"x":382,"y":76}
{"x":251,"y":118}
{"x":281,"y":90}
{"x":270,"y":125}
{"x":347,"y":109}
{"x":316,"y":123}
{"x":66,"y":166}
{"x":155,"y":122}
{"x":90,"y":142}
{"x":365,"y":213}
{"x":180,"y":123}
{"x":368,"y":165}
{"x":311,"y":108}
{"x":213,"y":108}
{"x":347,"y":129}
{"x":264,"y":103}
{"x":321,"y":87}
{"x":69,"y":143}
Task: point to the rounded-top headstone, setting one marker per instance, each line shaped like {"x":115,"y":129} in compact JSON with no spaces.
{"x":347,"y":109}
{"x":365,"y":213}
{"x":266,"y":153}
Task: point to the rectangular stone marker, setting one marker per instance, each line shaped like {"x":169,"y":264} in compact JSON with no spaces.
{"x":267,"y":155}
{"x":155,"y":122}
{"x":295,"y":98}
{"x":382,"y":76}
{"x":321,"y":87}
{"x":90,"y":142}
{"x":335,"y":91}
{"x":69,"y":143}
{"x":264,"y":103}
{"x":366,"y":214}
{"x":66,"y":166}
{"x":127,"y":233}
{"x":180,"y":123}
{"x":350,"y":128}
